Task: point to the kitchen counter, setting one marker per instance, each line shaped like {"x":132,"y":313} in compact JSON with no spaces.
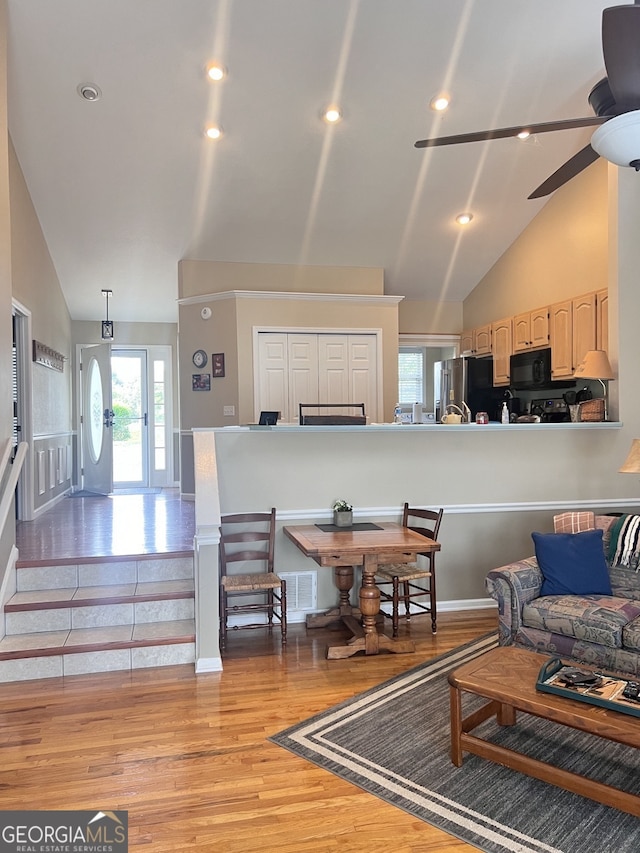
{"x":415,"y":428}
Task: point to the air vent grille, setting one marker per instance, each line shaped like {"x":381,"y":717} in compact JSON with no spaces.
{"x":302,"y":590}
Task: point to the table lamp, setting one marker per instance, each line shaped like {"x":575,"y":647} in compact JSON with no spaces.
{"x":632,"y":462}
{"x":595,"y":365}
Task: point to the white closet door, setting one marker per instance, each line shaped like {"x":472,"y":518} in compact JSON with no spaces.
{"x":273,"y":375}
{"x":333,"y":371}
{"x":316,"y":368}
{"x":363,"y":373}
{"x":303,"y":372}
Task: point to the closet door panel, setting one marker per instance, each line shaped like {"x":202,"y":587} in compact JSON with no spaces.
{"x":303,"y":372}
{"x":273,"y":375}
{"x":333,"y":371}
{"x":363,"y":373}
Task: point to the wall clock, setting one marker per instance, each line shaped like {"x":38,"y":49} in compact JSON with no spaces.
{"x":199,"y":358}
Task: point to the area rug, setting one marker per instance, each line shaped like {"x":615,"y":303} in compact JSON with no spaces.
{"x":393,"y":741}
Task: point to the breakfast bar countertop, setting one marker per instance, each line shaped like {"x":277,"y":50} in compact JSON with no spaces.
{"x":404,"y":428}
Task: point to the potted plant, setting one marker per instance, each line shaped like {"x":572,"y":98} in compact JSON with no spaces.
{"x":342,"y":513}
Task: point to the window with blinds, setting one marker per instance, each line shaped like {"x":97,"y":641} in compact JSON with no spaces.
{"x":411,"y":375}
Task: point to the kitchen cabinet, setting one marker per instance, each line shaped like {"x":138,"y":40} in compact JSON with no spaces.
{"x":501,"y":336}
{"x":466,"y":342}
{"x":572,"y":326}
{"x":476,"y":341}
{"x":583,"y":310}
{"x":602,"y":320}
{"x":531,"y":330}
{"x":560,"y":335}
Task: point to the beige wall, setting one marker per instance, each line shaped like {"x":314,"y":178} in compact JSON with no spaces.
{"x":562,"y":253}
{"x":424,"y":317}
{"x":230,"y":330}
{"x":215,"y":335}
{"x":198,"y":277}
{"x":36,"y":286}
{"x":6,"y":413}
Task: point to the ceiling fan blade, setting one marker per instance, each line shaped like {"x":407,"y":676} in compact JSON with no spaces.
{"x":568,"y":170}
{"x":620,"y":40}
{"x":506,"y":132}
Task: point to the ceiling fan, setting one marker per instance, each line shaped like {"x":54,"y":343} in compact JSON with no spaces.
{"x":615,"y":101}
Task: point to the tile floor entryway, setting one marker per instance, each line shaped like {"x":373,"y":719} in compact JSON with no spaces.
{"x":102,"y":583}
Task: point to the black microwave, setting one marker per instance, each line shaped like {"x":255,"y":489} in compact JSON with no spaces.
{"x":531,"y":371}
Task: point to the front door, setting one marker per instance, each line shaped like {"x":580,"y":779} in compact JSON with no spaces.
{"x":97,"y":419}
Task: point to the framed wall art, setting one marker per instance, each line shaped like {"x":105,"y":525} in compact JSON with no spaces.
{"x":201,"y":382}
{"x":217,"y":364}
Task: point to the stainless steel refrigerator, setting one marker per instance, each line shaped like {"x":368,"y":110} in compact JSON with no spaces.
{"x":466,"y":380}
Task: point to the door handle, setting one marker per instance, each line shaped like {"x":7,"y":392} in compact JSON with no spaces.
{"x":146,"y":419}
{"x":108,"y":418}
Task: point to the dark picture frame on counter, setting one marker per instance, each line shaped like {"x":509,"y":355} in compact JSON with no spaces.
{"x":217,"y":364}
{"x":201,"y":382}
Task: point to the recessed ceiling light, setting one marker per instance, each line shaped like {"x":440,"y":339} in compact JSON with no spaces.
{"x":464,"y":218}
{"x":215,"y":71}
{"x":439,"y":103}
{"x":332,"y":114}
{"x":524,"y":134}
{"x":89,"y":91}
{"x":214,"y":131}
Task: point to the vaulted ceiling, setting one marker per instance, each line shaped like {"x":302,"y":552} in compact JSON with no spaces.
{"x":127,"y":185}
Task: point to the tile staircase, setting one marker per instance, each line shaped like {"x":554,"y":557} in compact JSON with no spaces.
{"x":99,"y":614}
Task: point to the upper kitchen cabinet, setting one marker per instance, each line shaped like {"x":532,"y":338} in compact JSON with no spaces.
{"x":501,"y":334}
{"x":602,"y":320}
{"x":560,"y":333}
{"x":584,"y":326}
{"x":476,"y":341}
{"x":531,"y":330}
{"x":572,"y":326}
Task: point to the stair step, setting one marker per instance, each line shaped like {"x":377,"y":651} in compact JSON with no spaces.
{"x":87,"y":572}
{"x":50,"y":599}
{"x":80,"y":651}
{"x":92,"y":614}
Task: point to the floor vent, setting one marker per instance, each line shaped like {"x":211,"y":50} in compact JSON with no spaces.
{"x":302,"y":590}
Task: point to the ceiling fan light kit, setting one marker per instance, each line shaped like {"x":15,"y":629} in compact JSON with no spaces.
{"x":618,"y":140}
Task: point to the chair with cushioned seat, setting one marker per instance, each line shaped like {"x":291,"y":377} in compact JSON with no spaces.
{"x":397,"y":581}
{"x":249,"y":539}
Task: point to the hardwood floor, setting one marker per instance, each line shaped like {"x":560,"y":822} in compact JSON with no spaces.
{"x":188,"y":757}
{"x":106,"y":527}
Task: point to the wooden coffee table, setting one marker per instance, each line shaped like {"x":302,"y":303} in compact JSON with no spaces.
{"x":506,"y":676}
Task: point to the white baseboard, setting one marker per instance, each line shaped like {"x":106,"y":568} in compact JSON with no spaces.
{"x":50,"y":504}
{"x":448,"y":606}
{"x":208,"y":665}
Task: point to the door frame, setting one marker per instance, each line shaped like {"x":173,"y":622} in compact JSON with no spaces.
{"x":318,"y":330}
{"x":25,"y":502}
{"x":168,"y":354}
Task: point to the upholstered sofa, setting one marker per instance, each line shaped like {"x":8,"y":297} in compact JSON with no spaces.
{"x":603,"y":630}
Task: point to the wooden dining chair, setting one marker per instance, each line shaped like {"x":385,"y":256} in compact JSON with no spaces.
{"x":397,"y":581}
{"x":248,"y":582}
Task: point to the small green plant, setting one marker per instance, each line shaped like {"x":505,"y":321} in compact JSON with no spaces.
{"x":341,"y":506}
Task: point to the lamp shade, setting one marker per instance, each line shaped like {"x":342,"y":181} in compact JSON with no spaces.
{"x":595,"y":366}
{"x":632,"y":462}
{"x":618,"y":139}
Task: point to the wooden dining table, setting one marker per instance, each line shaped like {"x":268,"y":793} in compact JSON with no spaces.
{"x":341,"y":548}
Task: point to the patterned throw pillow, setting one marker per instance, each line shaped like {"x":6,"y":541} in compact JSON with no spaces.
{"x":574,"y":522}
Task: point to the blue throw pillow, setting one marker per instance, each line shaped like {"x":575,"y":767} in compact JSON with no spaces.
{"x":572,"y":563}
